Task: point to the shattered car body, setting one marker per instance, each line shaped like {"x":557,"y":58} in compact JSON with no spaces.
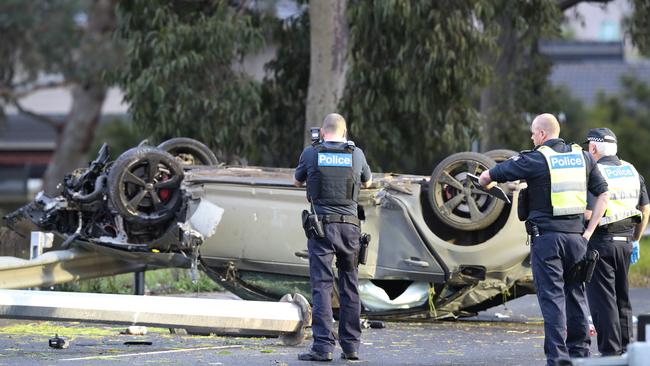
{"x":440,"y":248}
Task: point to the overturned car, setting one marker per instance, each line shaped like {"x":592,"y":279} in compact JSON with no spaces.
{"x":440,"y":247}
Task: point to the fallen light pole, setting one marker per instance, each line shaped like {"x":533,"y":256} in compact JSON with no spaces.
{"x":286,"y":318}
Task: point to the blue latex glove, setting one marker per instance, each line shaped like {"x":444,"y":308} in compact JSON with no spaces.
{"x":635,"y":252}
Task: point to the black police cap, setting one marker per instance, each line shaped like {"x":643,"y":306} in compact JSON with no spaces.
{"x":601,"y":134}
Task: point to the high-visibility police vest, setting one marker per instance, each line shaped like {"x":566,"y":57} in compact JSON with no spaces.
{"x":568,"y":180}
{"x":624,"y":189}
{"x":333,"y":182}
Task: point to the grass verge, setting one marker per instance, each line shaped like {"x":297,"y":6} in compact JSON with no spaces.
{"x":157,"y":282}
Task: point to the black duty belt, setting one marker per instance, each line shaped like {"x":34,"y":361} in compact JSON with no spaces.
{"x":346,"y":219}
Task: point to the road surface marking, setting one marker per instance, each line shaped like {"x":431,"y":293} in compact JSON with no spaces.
{"x":149,"y":353}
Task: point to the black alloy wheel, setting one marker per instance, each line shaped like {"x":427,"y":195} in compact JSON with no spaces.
{"x":144,"y":185}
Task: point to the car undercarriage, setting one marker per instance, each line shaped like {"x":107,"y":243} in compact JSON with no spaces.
{"x":441,"y":248}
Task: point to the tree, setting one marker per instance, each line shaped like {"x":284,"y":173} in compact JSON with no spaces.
{"x":284,"y":93}
{"x":410,"y":91}
{"x":638,"y":25}
{"x":96,"y":55}
{"x":52,"y":38}
{"x":37,"y":38}
{"x":519,"y":77}
{"x":519,"y":84}
{"x":179,"y":77}
{"x":329,"y":46}
{"x":628,"y":115}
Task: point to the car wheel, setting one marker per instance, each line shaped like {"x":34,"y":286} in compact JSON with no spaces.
{"x":500,"y":155}
{"x":189,"y":151}
{"x":454,"y":199}
{"x":144,"y":185}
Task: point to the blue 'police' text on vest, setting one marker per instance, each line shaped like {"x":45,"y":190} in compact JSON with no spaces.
{"x":567,"y":161}
{"x":334,"y":159}
{"x":623,"y":171}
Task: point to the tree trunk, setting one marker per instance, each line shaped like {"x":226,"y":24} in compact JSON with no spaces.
{"x":329,"y":46}
{"x":88,"y":96}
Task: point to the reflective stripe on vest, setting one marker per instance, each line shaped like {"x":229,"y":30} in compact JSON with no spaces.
{"x":624,"y":189}
{"x":568,"y":180}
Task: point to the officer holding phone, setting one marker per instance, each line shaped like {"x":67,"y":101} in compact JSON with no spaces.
{"x":559,"y":175}
{"x":334,"y":169}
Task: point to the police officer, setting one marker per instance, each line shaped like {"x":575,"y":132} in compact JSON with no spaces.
{"x":622,"y":224}
{"x":558,"y":177}
{"x":334,"y":170}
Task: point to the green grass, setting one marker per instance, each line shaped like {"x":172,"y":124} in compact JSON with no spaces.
{"x":639,"y":275}
{"x":50,"y":329}
{"x":161,"y":281}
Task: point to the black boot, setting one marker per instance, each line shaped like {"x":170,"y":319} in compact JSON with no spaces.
{"x":350,"y":355}
{"x":315,"y":356}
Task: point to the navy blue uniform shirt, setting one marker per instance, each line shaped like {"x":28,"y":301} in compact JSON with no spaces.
{"x":624,"y":227}
{"x":306,"y":166}
{"x":532,"y":167}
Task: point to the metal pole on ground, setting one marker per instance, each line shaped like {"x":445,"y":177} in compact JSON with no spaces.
{"x":286,"y":318}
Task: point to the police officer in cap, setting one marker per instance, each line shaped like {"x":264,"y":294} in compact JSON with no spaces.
{"x":334,"y":170}
{"x":615,"y":238}
{"x":558,"y":176}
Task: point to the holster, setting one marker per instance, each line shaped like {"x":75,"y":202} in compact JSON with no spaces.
{"x":591,"y":259}
{"x":364,"y":241}
{"x":584,"y":269}
{"x":522,"y":205}
{"x":312,"y":226}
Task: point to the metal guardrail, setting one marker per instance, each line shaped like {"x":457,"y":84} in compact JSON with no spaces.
{"x":61,"y":266}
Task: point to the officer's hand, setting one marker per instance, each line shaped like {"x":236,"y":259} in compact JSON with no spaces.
{"x":635,"y":252}
{"x":484,"y":179}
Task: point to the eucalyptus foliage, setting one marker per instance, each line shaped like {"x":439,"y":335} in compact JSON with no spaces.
{"x":638,"y":25}
{"x":519,"y":84}
{"x":37,"y":38}
{"x":628,"y":116}
{"x":414,"y":70}
{"x":179,"y":78}
{"x":284,"y":92}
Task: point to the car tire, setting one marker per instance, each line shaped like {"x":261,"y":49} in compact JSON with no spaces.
{"x":189,"y":151}
{"x":453,"y":198}
{"x":144,"y":185}
{"x":500,"y":155}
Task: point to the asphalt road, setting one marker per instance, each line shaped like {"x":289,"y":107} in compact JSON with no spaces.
{"x":504,"y":335}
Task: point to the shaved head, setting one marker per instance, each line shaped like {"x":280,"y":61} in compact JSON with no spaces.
{"x":549,"y":124}
{"x":334,"y":123}
{"x":544,"y":127}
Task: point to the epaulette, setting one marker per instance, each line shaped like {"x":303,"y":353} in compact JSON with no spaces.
{"x":526,"y":151}
{"x":351,"y":145}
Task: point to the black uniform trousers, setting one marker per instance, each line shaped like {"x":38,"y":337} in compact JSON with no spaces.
{"x":608,"y":295}
{"x":341,"y":241}
{"x":563,"y":304}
